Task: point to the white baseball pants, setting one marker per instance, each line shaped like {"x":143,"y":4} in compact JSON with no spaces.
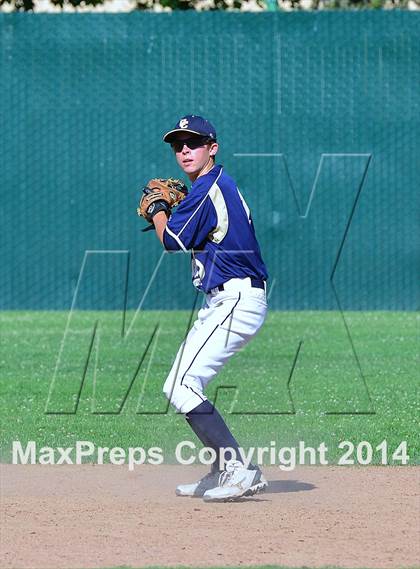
{"x":227,"y":321}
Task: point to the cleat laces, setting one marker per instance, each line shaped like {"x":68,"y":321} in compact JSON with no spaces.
{"x":226,"y":476}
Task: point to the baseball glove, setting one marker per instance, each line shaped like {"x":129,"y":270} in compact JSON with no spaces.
{"x":160,"y":195}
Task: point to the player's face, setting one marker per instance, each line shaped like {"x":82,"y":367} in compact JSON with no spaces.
{"x":193,"y":154}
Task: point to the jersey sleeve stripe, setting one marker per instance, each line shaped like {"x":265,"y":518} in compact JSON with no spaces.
{"x":176,"y":238}
{"x":200,"y":204}
{"x":219,"y":203}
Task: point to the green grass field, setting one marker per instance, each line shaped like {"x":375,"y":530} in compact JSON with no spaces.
{"x":308,"y":376}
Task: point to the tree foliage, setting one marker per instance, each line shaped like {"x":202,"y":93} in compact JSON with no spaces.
{"x":208,"y":5}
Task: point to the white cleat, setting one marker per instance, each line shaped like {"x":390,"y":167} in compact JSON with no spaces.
{"x":197,"y":489}
{"x":236,"y":482}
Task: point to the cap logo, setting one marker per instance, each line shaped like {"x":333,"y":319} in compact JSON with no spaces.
{"x":183,"y":123}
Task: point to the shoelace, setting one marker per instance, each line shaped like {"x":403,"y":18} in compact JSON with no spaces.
{"x":224,"y":477}
{"x":227,"y":474}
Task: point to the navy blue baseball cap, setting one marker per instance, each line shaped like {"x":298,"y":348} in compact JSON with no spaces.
{"x":195,"y":125}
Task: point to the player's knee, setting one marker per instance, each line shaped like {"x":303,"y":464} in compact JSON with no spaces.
{"x":181,"y":397}
{"x":172,"y":397}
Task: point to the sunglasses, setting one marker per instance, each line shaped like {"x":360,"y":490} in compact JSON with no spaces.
{"x":192,"y":143}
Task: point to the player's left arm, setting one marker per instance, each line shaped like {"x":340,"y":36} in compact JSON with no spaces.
{"x":190,"y":225}
{"x":158,"y":198}
{"x":160,"y":220}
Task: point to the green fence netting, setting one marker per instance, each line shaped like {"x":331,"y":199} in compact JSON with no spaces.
{"x":318,"y":121}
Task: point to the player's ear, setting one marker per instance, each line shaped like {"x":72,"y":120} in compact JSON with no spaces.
{"x":214,"y":147}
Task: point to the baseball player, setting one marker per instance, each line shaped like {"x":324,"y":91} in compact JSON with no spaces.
{"x":213,"y":222}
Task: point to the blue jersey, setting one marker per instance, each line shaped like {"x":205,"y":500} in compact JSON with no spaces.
{"x":214,"y":222}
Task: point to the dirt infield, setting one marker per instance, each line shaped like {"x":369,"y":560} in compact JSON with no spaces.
{"x":104,"y":516}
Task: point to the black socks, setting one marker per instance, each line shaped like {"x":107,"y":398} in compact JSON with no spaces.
{"x":210,"y":428}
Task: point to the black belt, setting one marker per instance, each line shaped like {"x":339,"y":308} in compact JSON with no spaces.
{"x":255,"y":283}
